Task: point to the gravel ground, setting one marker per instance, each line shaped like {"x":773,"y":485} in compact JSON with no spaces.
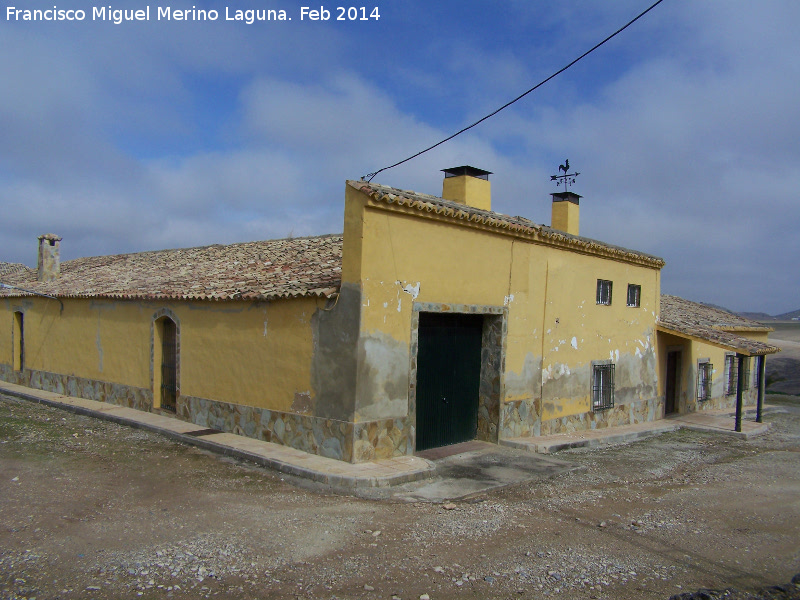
{"x":90,"y":509}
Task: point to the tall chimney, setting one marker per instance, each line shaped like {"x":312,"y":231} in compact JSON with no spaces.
{"x":468,"y":185}
{"x":49,"y":262}
{"x":566,"y":212}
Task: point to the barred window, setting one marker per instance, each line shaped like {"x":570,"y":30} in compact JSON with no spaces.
{"x":704,"y":372}
{"x":604,"y":291}
{"x":603,"y":387}
{"x":730,"y":374}
{"x":634,"y":294}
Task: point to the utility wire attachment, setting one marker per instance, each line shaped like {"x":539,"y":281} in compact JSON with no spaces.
{"x":369,"y":176}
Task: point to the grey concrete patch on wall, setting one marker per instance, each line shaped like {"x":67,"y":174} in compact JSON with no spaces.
{"x":635,"y":377}
{"x":382,"y":377}
{"x":334,"y":364}
{"x":566,"y":382}
{"x":528,"y":382}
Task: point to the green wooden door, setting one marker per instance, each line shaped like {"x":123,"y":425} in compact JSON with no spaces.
{"x":448,"y":378}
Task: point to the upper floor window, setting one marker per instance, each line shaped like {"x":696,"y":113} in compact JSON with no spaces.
{"x":604,"y":291}
{"x":634,"y":294}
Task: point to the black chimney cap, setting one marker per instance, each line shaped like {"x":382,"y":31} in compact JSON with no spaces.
{"x":466,"y":170}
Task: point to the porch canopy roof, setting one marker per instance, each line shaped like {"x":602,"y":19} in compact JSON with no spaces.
{"x":710,"y":325}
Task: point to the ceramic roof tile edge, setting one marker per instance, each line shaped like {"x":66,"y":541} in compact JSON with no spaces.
{"x":695,"y":320}
{"x":500,"y":223}
{"x":323,"y":280}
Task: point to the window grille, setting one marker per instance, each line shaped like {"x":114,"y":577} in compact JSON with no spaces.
{"x":730,"y":374}
{"x":603,"y":387}
{"x":704,"y":372}
{"x":604,"y":291}
{"x":634,"y":294}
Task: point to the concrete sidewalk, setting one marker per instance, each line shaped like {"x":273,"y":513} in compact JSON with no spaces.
{"x":379,"y":473}
{"x":329,"y":471}
{"x":713,"y":421}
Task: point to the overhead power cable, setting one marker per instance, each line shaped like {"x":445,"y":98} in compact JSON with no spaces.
{"x":370,"y":176}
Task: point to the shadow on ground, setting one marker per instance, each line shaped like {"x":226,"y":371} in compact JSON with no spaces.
{"x":469,"y":469}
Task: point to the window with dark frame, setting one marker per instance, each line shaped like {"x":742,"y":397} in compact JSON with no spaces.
{"x":634,"y":295}
{"x":603,"y":387}
{"x":730,"y":374}
{"x":704,"y":373}
{"x":604,"y":291}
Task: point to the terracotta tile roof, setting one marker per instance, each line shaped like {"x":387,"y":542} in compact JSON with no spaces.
{"x":713,"y":325}
{"x":513,"y":225}
{"x":14,"y":270}
{"x":310,"y":266}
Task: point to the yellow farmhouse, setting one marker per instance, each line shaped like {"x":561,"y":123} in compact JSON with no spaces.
{"x":430,"y":321}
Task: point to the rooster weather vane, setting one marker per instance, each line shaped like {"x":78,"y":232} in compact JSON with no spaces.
{"x":567,"y":178}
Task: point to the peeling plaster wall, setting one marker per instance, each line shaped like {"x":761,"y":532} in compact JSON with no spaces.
{"x":554,"y":328}
{"x":576,"y":331}
{"x":382,"y":376}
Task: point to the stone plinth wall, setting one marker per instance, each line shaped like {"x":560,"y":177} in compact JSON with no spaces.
{"x":341,"y":440}
{"x":81,"y":387}
{"x":520,"y":418}
{"x":641,"y":411}
{"x":749,"y":398}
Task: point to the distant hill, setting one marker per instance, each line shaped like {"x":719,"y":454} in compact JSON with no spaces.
{"x":788,"y":316}
{"x":760,"y":316}
{"x":757,"y":316}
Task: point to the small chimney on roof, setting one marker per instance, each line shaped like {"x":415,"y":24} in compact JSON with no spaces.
{"x":49,"y":263}
{"x":468,"y":185}
{"x":566,"y":212}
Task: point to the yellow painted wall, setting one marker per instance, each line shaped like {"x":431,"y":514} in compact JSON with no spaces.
{"x":576,"y":330}
{"x":258,"y":354}
{"x":553,"y":321}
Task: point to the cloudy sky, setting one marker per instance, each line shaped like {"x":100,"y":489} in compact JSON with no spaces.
{"x":162,"y":134}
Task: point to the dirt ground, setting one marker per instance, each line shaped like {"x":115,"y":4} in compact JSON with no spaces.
{"x":90,"y":509}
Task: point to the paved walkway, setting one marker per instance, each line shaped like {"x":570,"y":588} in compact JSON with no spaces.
{"x":335,"y":473}
{"x":721,"y":421}
{"x":378,"y":473}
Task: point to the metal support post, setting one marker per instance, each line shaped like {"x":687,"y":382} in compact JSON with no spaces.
{"x":762,"y":384}
{"x":739,"y":390}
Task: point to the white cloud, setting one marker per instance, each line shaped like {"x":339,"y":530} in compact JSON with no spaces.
{"x":125,"y":138}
